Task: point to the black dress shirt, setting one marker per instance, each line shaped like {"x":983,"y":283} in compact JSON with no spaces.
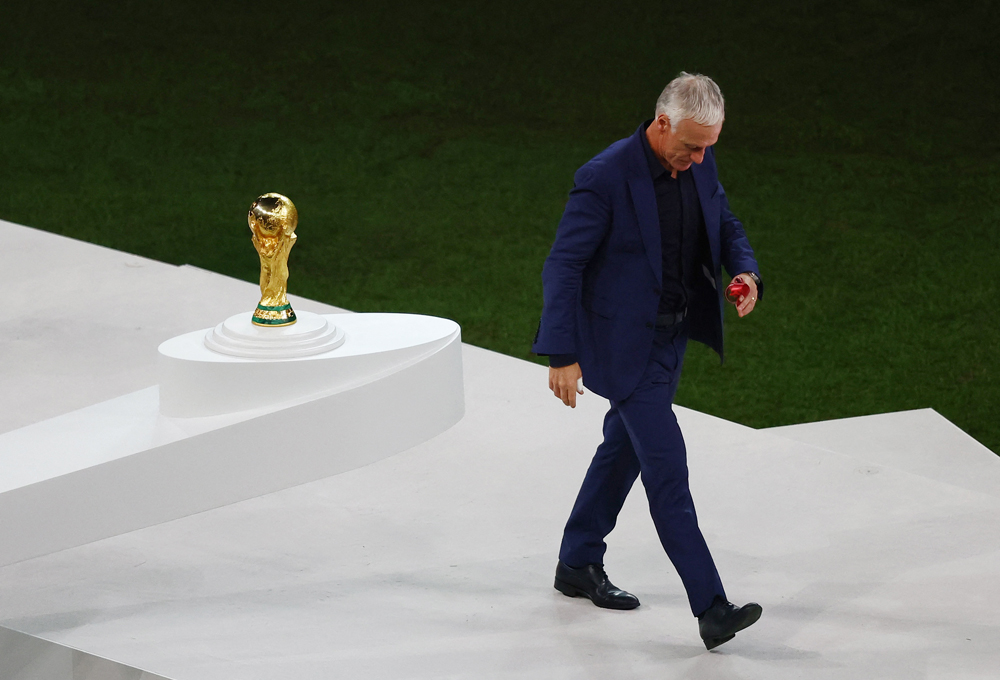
{"x":682,"y":238}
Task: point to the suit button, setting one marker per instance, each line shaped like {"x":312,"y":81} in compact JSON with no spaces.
{"x":649,"y":324}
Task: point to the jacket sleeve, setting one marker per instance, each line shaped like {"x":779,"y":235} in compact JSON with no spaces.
{"x":584,"y":225}
{"x":736,"y":254}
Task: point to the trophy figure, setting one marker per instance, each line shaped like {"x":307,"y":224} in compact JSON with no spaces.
{"x":272,"y":220}
{"x":274,"y":331}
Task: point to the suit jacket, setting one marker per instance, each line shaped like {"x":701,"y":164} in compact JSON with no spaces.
{"x":601,"y":281}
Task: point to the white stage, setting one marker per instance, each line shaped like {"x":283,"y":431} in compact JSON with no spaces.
{"x":873,"y":544}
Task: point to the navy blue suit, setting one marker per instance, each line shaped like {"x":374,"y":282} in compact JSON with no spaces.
{"x":601,"y":285}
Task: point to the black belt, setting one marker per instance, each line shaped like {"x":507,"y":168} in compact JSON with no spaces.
{"x":668,"y":320}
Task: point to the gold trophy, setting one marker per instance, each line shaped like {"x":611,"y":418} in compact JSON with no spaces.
{"x":272,"y":220}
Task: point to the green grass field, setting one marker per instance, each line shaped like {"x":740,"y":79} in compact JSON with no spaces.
{"x":430,"y":148}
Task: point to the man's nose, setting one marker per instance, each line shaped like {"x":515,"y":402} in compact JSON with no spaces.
{"x":698,"y":156}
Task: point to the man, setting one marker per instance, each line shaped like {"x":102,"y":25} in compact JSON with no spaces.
{"x":635,"y":270}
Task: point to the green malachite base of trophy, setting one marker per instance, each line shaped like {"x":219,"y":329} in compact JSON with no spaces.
{"x":282,"y":315}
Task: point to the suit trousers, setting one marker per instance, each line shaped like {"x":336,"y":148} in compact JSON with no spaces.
{"x":641,"y":436}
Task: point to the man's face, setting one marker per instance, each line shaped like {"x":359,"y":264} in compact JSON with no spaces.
{"x":677,"y":149}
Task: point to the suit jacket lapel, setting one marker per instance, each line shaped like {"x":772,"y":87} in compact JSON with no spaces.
{"x":706,"y":189}
{"x":644,"y":200}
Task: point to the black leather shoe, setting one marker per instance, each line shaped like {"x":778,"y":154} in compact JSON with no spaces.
{"x":723,"y":620}
{"x":591,"y":581}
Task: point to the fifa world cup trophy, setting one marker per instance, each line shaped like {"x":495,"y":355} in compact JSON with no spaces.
{"x":272,"y":220}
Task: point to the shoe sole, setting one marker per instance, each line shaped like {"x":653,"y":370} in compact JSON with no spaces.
{"x":569,"y":590}
{"x":715,"y":642}
{"x":712,"y":643}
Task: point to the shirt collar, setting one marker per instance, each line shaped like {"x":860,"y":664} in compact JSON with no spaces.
{"x":655,"y":166}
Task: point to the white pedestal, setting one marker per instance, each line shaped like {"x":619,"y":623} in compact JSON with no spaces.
{"x":238,"y":336}
{"x":196,"y":381}
{"x":123,"y":464}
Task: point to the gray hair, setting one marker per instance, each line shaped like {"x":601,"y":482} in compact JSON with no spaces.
{"x":692,"y":96}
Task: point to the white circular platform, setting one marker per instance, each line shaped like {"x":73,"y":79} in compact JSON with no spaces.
{"x":238,"y":336}
{"x":197,"y":380}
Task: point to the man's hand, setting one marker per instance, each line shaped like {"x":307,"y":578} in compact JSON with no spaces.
{"x":747,"y":302}
{"x":564,"y":383}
